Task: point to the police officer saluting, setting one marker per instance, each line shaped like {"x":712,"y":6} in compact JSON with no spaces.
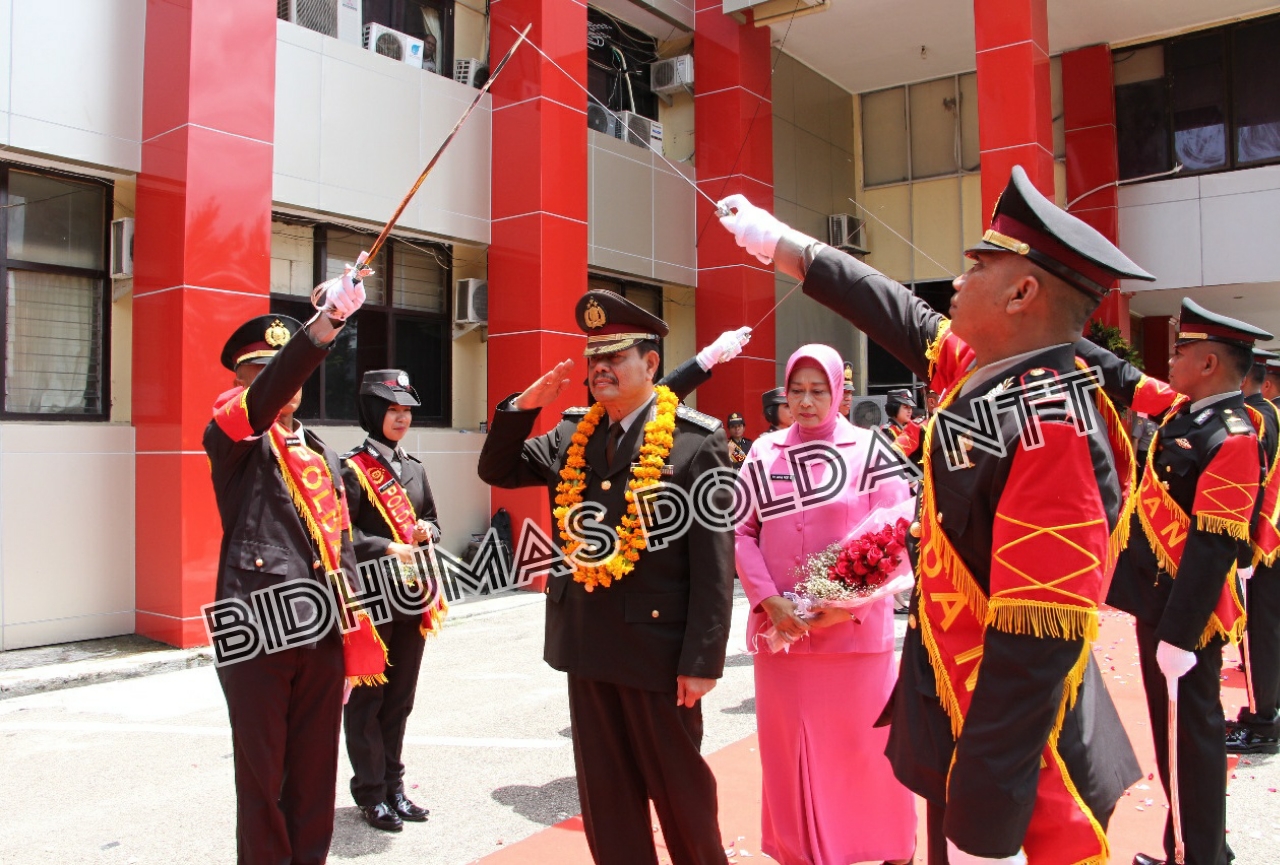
{"x":392,"y":512}
{"x":284,"y":518}
{"x":642,"y":634}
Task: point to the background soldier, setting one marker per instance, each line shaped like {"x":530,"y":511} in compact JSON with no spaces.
{"x":739,"y":445}
{"x":846,"y":395}
{"x":285,"y":707}
{"x":642,"y":636}
{"x":1178,"y":574}
{"x":998,"y":684}
{"x":392,"y":512}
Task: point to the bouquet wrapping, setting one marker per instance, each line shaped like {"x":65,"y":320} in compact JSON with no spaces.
{"x":868,"y":564}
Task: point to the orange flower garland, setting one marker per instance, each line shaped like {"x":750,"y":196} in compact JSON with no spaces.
{"x":647,"y":472}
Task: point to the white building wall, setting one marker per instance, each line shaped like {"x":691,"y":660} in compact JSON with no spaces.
{"x":1214,"y":229}
{"x":66,"y":532}
{"x":354,"y":129}
{"x":71,"y":80}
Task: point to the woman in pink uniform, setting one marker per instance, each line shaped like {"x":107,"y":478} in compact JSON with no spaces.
{"x":830,"y":797}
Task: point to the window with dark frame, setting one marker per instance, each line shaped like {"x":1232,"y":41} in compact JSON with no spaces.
{"x":404,"y":324}
{"x":1209,"y":101}
{"x":618,"y":59}
{"x":54,"y":238}
{"x":428,"y":20}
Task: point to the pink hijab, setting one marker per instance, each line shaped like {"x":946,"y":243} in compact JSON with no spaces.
{"x":827,"y":359}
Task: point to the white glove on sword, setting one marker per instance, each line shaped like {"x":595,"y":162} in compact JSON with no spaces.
{"x":340,"y":297}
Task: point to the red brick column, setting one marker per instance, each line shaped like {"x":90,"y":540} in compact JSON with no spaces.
{"x":733,"y":135}
{"x":1093,"y":167}
{"x":1015,"y":121}
{"x":538,"y":251}
{"x":203,"y":253}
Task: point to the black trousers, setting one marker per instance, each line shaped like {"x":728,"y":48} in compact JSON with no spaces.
{"x":286,"y":710}
{"x":376,"y":717}
{"x":1263,"y":660}
{"x":631,"y":746}
{"x":1202,"y":752}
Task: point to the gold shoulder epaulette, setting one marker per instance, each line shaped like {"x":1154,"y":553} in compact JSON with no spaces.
{"x":706,"y":421}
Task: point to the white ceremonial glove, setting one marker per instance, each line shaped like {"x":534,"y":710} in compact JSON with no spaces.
{"x":1174,"y":662}
{"x":956,"y":856}
{"x":343,"y":295}
{"x":1244,"y":573}
{"x":726,"y":347}
{"x":428,"y":526}
{"x":753,"y":228}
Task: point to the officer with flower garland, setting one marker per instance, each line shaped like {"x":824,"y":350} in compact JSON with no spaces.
{"x":641,"y":633}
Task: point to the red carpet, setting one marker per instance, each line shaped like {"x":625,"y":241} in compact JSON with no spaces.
{"x":1136,"y":825}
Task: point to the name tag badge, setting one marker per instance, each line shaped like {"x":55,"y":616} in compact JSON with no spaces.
{"x":781,"y":478}
{"x":668,"y":470}
{"x":293,"y":442}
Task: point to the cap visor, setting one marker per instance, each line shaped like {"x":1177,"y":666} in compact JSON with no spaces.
{"x":403,"y":398}
{"x":609,"y":347}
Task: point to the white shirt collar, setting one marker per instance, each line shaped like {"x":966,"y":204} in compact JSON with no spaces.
{"x":1211,"y":400}
{"x":986,"y":373}
{"x":631,"y":418}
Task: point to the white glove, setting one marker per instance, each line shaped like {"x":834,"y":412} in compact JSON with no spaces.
{"x":1244,"y":573}
{"x":427,"y":525}
{"x":343,"y":295}
{"x":726,"y":347}
{"x":956,"y":856}
{"x":1174,"y":662}
{"x":754,"y":229}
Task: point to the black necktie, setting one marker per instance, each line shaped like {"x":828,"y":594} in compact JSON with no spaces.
{"x":611,"y":446}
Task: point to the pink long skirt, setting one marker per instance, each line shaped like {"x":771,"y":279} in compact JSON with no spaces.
{"x":830,"y":797}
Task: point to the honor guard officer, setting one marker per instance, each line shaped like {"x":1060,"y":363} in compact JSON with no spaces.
{"x":776,"y":412}
{"x":739,"y":445}
{"x":1000,"y":719}
{"x":641,"y":635}
{"x":1257,"y":726}
{"x":392,"y":512}
{"x":1178,"y":575}
{"x":846,"y":395}
{"x":285,"y":706}
{"x":902,"y":428}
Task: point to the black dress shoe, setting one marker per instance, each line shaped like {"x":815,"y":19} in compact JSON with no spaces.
{"x":406,"y":809}
{"x":1242,"y":740}
{"x":382,"y":816}
{"x":1144,"y":859}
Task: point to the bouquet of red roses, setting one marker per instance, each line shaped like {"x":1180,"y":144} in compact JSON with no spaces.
{"x":870,"y":563}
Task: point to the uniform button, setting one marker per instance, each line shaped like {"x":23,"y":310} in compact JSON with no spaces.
{"x":654,"y":614}
{"x":797,"y":560}
{"x":939,"y":517}
{"x":258,"y":562}
{"x":911,"y":621}
{"x":915,"y":530}
{"x":799,"y":528}
{"x":606,"y":485}
{"x":1168,"y":468}
{"x":315,"y":566}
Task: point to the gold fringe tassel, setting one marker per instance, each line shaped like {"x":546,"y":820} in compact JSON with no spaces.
{"x":946,"y":696}
{"x":1215,"y":628}
{"x":1070,"y":692}
{"x":1268,"y":559}
{"x":953,"y":566}
{"x":1105,"y":856}
{"x":371,"y":681}
{"x":1237,"y":529}
{"x":1043,"y":619}
{"x":1126,"y":463}
{"x":935,"y":346}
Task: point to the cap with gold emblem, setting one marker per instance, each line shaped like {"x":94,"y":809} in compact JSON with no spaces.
{"x":734,"y":418}
{"x":379,"y":389}
{"x":258,"y":340}
{"x":1197,"y":323}
{"x":612,"y":323}
{"x":1027,"y":223}
{"x":848,"y":377}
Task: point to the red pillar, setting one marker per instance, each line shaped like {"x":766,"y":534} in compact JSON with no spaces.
{"x":1015,"y":120}
{"x":203,"y":246}
{"x":733,"y":135}
{"x":1093,"y":166}
{"x":538,"y":249}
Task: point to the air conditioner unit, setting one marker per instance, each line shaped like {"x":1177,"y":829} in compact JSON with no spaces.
{"x":599,"y":119}
{"x":471,"y":301}
{"x":471,"y":72}
{"x":639,"y":130}
{"x":847,"y":233}
{"x":122,"y":248}
{"x":392,"y":43}
{"x":671,"y":76}
{"x":341,"y":19}
{"x":868,"y":411}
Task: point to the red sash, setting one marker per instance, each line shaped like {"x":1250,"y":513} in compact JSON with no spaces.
{"x":1266,"y":533}
{"x":388,"y":496}
{"x":323,"y":510}
{"x":954,"y":616}
{"x":1221,"y":505}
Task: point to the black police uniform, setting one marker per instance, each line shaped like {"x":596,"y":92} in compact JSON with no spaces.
{"x":1177,"y":611}
{"x":376,"y":717}
{"x":981,"y":787}
{"x":285,"y":707}
{"x":623,"y":646}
